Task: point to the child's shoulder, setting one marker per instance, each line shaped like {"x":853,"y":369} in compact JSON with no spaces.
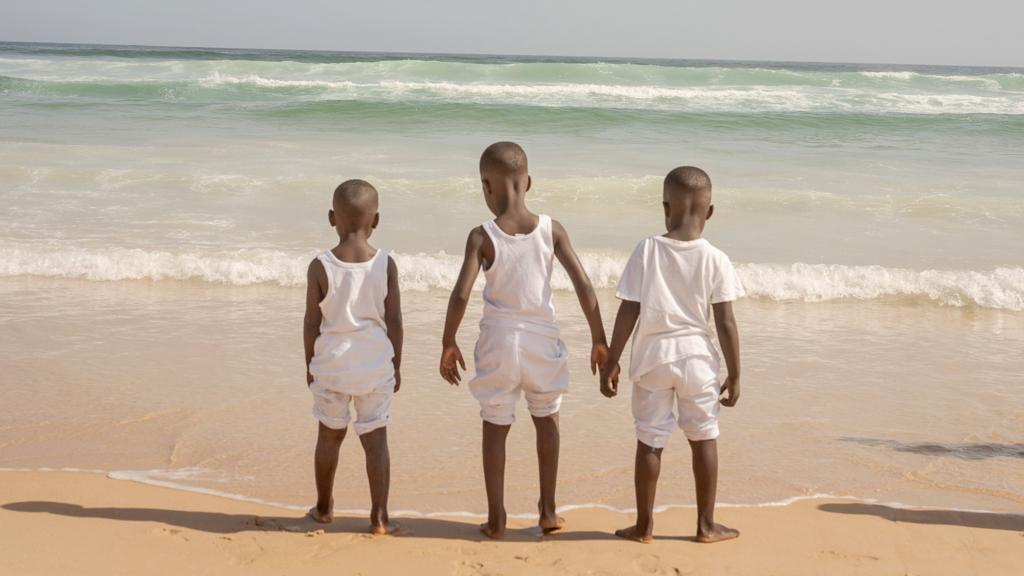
{"x":715,"y":252}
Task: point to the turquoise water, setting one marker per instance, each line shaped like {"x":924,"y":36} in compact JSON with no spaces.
{"x":832,"y":180}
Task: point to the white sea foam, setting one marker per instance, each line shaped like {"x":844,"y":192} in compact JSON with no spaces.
{"x":899,"y":75}
{"x":1000,"y":288}
{"x":749,"y":98}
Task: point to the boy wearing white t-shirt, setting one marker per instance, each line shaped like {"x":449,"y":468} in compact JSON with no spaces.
{"x":353,"y":338}
{"x":519,"y":352}
{"x":671,"y":286}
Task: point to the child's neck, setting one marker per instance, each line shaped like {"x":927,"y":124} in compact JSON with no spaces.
{"x":686,"y":232}
{"x":354,"y":246}
{"x":516,"y":218}
{"x":354,"y":237}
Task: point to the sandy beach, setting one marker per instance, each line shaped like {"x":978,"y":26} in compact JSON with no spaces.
{"x":83,"y":523}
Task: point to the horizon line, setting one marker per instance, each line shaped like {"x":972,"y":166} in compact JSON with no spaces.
{"x":517,"y":55}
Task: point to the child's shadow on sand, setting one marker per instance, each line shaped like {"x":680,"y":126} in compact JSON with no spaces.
{"x":219,"y":523}
{"x":986,"y":520}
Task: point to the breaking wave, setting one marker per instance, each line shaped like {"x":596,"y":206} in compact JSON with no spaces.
{"x":999,"y":288}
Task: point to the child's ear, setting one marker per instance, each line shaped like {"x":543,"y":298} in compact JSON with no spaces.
{"x":711,"y":210}
{"x":666,"y":207}
{"x":330,"y":217}
{"x":529,"y":182}
{"x":486,"y":186}
{"x":376,"y":220}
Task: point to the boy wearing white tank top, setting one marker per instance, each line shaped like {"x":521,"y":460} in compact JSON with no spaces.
{"x":672,"y":285}
{"x":353,"y":339}
{"x":519,"y":352}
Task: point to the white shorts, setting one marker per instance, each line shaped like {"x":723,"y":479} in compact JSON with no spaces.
{"x":331,"y":407}
{"x":691,"y":385}
{"x":513,"y":362}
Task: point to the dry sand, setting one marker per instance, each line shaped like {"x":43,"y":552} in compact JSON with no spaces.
{"x":81,"y":523}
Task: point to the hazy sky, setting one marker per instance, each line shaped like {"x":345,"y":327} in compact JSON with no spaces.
{"x":982,"y":32}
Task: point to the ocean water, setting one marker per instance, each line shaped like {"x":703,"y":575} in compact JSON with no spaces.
{"x":159,"y":206}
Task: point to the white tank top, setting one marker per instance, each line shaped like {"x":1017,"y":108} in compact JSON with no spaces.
{"x":517,"y":292}
{"x":353,"y":353}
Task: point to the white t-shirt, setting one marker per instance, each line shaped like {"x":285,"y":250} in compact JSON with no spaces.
{"x":675,"y":282}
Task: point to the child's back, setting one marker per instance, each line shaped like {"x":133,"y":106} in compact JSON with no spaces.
{"x":518,"y":282}
{"x":676,"y":282}
{"x":353,"y":354}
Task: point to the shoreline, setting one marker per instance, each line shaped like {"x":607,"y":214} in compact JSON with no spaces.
{"x":138,"y":477}
{"x":103,"y":526}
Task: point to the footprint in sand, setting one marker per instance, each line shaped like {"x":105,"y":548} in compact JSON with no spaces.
{"x":171,"y":532}
{"x":470,"y":568}
{"x":649,"y":564}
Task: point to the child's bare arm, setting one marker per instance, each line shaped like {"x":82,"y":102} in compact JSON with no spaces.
{"x":585,"y":292}
{"x":729,"y":338}
{"x":625,"y":321}
{"x":316,"y":287}
{"x":457,"y":302}
{"x":393,"y":319}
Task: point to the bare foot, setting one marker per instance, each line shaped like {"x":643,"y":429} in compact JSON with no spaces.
{"x":320,"y":517}
{"x":491,"y":532}
{"x":386,"y":529}
{"x":551,"y":524}
{"x":635,"y":534}
{"x":718,"y":533}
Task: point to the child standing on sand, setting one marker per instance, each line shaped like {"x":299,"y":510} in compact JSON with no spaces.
{"x":519,"y":351}
{"x":353,"y":339}
{"x":671,"y":284}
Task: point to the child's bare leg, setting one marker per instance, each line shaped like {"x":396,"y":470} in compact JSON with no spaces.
{"x":548,"y":439}
{"x":325,"y":463}
{"x":705,"y":475}
{"x":494,"y":478}
{"x":378,"y":471}
{"x":647,"y":469}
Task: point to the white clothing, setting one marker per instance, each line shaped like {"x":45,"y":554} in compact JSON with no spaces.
{"x":372,"y":409}
{"x":675,"y":282}
{"x":511,"y":362}
{"x":692,"y":385}
{"x":519,"y":351}
{"x":517,"y":292}
{"x":353,"y":354}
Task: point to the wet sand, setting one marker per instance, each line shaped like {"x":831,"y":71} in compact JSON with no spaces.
{"x":202,"y":385}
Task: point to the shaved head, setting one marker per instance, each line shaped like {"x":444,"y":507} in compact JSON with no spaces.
{"x":355,"y":203}
{"x":688,"y":180}
{"x":687,"y":199}
{"x":504,"y":159}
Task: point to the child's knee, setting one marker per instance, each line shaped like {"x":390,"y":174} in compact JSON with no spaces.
{"x":375,"y":439}
{"x":332,"y":434}
{"x":652,"y":436}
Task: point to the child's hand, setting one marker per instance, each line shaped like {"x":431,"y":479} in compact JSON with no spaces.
{"x":598,"y":357}
{"x":610,"y":381}
{"x":450,"y":356}
{"x":732,"y":386}
{"x":398,"y":379}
